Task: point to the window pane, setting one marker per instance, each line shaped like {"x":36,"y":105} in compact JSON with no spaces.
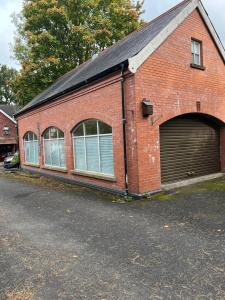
{"x":27,"y":151}
{"x":79,"y":148}
{"x":30,"y":136}
{"x":91,"y":127}
{"x":62,"y":158}
{"x":92,"y":154}
{"x":106,"y":154}
{"x":46,"y":135}
{"x":193,"y":47}
{"x":32,"y":155}
{"x":32,"y":152}
{"x":53,"y":133}
{"x":61,"y":134}
{"x":26,"y":137}
{"x":47,"y":148}
{"x":104,"y":128}
{"x":79,"y":131}
{"x":197,"y":48}
{"x":197,"y":59}
{"x":55,"y":153}
{"x":36,"y":147}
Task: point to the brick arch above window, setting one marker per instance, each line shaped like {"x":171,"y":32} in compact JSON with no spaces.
{"x":30,"y":136}
{"x":103,"y":117}
{"x":89,"y":120}
{"x":52,"y":132}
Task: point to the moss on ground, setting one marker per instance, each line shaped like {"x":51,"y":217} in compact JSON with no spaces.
{"x":162,"y":197}
{"x":44,"y":181}
{"x":215,"y":185}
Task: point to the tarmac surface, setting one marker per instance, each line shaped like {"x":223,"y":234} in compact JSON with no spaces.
{"x":61,"y":243}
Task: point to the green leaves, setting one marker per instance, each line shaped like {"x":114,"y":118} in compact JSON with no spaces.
{"x":7,"y":75}
{"x":55,"y":36}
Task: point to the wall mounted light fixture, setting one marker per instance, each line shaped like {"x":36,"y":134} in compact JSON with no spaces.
{"x":147,"y":107}
{"x":6,"y":130}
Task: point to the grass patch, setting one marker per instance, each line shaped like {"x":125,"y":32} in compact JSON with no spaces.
{"x":164,"y":196}
{"x":215,"y":185}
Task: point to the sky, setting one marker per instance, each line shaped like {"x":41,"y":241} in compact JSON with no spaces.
{"x":153,"y":8}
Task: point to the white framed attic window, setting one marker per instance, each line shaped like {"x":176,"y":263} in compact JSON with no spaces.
{"x":93,"y":147}
{"x":196,"y":50}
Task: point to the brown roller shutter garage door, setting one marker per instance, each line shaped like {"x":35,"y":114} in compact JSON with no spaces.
{"x":190,"y":147}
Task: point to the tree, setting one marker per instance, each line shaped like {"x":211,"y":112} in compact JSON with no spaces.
{"x":55,"y":36}
{"x":7,"y":75}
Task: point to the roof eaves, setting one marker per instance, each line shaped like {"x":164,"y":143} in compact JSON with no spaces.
{"x":7,"y":116}
{"x":212,"y":29}
{"x":73,"y":88}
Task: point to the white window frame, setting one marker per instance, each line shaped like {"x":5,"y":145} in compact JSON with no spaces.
{"x":57,"y":139}
{"x":29,"y":141}
{"x":196,"y":50}
{"x":98,"y":135}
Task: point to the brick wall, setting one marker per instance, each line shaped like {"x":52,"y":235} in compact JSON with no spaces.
{"x":174,"y":87}
{"x":100,"y":101}
{"x":167,"y":79}
{"x":12,"y":136}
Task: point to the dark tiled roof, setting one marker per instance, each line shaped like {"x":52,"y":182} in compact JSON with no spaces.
{"x":10,"y":110}
{"x":113,"y":56}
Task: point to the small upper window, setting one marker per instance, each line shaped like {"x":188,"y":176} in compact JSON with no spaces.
{"x":196,"y":49}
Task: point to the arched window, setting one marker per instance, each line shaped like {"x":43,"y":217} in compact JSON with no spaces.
{"x":54,"y":148}
{"x":31,"y":147}
{"x":93,"y":147}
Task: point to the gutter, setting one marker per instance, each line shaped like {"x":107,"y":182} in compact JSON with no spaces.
{"x":71,"y":89}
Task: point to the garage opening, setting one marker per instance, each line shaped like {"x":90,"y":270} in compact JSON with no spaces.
{"x":189,"y":147}
{"x":6,"y":150}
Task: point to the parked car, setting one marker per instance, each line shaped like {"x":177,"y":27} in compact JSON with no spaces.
{"x":12,"y":161}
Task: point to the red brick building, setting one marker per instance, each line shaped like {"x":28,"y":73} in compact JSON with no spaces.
{"x":149,"y":110}
{"x":8,"y":131}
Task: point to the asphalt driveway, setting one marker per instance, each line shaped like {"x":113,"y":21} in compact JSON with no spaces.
{"x":61,"y":243}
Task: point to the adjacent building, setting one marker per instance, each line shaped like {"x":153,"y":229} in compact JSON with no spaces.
{"x":8,"y":131}
{"x":148,"y":111}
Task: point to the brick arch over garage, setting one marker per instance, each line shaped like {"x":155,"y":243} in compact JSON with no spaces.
{"x":190,"y":146}
{"x":217,"y":117}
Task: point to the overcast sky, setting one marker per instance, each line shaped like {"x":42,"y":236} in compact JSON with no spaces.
{"x":215,"y":8}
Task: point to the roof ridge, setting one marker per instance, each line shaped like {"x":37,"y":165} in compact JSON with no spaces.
{"x":131,"y":49}
{"x":77,"y":68}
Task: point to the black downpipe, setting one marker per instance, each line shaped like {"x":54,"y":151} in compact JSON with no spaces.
{"x":124,"y":129}
{"x":18,"y":143}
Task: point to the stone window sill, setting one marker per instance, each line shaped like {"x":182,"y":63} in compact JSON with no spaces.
{"x":202,"y":68}
{"x":62,"y":170}
{"x":95,"y":175}
{"x":31,"y":165}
